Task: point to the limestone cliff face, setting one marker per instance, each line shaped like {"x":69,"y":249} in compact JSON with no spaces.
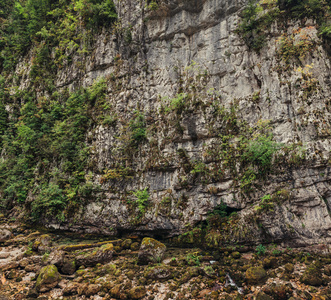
{"x":192,"y":157}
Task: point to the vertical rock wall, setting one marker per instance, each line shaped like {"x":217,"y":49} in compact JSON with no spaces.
{"x":191,"y":48}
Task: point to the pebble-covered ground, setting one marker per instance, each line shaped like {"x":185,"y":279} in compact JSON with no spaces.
{"x":39,"y":265}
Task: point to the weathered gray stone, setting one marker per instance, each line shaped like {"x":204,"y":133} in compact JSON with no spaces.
{"x":5,"y":235}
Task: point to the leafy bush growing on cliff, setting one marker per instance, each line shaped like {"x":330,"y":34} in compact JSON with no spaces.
{"x":54,"y":28}
{"x":142,"y":197}
{"x":255,"y":23}
{"x":176,"y":104}
{"x":260,"y":152}
{"x":258,"y":16}
{"x":138,"y":128}
{"x":45,"y":153}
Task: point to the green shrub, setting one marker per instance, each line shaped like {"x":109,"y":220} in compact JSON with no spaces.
{"x":59,"y":27}
{"x":219,"y":210}
{"x":44,"y":142}
{"x":260,"y":151}
{"x":142,"y":198}
{"x":253,"y":25}
{"x":50,"y":202}
{"x":138,"y":129}
{"x":176,"y":104}
{"x":193,"y":259}
{"x":258,"y":16}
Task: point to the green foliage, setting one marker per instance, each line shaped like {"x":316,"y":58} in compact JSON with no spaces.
{"x":325,"y":30}
{"x":118,"y":173}
{"x":260,"y":250}
{"x":273,"y":249}
{"x":45,"y":151}
{"x":305,"y":8}
{"x":96,"y":12}
{"x":266,"y":204}
{"x":50,"y":202}
{"x":176,"y":104}
{"x":58,"y":27}
{"x":199,"y":167}
{"x":209,"y":271}
{"x":258,"y":16}
{"x":153,"y":5}
{"x":219,"y":210}
{"x":142,"y":198}
{"x":3,"y":120}
{"x":193,"y":259}
{"x":255,"y":23}
{"x":219,"y":215}
{"x":138,"y":129}
{"x":248,"y":179}
{"x":260,"y":152}
{"x":294,"y":47}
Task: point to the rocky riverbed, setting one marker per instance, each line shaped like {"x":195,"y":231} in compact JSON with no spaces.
{"x":43,"y":265}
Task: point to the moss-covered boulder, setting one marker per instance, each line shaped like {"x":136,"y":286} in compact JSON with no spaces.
{"x":91,"y":290}
{"x":236,"y":255}
{"x":312,"y":276}
{"x":137,"y":292}
{"x":126,"y":244}
{"x":151,"y":251}
{"x":56,"y":258}
{"x":90,"y":258}
{"x":263,"y":296}
{"x":48,"y":278}
{"x":42,"y":243}
{"x":256,"y":275}
{"x":190,"y":273}
{"x":119,"y":292}
{"x":158,"y":273}
{"x":289,"y":268}
{"x":327,"y":270}
{"x":134,"y":246}
{"x":71,"y":289}
{"x":270,"y":262}
{"x":278,"y":291}
{"x":68,"y":266}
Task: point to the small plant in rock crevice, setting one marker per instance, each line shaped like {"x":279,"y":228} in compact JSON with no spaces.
{"x":142,"y":198}
{"x":193,"y":259}
{"x":260,"y":250}
{"x":138,"y":128}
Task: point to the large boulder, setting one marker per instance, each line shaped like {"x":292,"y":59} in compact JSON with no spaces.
{"x":256,"y":275}
{"x":42,"y":244}
{"x":48,"y":278}
{"x":126,"y":244}
{"x":159,"y":273}
{"x":5,"y":235}
{"x":137,"y":292}
{"x":56,"y":258}
{"x":71,"y":289}
{"x":312,"y":276}
{"x":68,"y":266}
{"x":101,"y":255}
{"x":263,"y":296}
{"x":151,"y":251}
